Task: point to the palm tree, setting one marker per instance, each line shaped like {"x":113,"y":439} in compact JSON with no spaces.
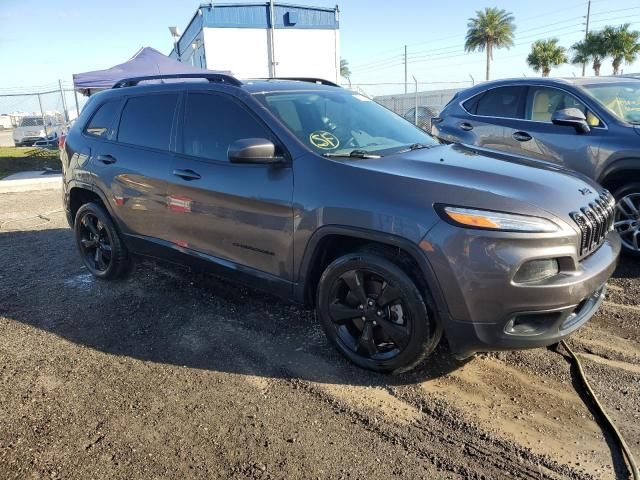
{"x":345,"y":71}
{"x":622,"y":45}
{"x":546,"y":54}
{"x":593,"y":49}
{"x":489,"y":29}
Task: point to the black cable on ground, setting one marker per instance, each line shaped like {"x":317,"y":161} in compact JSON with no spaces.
{"x":633,"y":467}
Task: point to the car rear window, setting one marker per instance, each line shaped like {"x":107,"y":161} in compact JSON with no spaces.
{"x":102,"y":122}
{"x":504,"y":102}
{"x":147,"y":120}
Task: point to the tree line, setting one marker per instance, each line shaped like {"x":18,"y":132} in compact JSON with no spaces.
{"x":494,"y":28}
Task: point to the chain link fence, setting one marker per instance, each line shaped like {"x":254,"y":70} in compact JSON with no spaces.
{"x":57,"y":105}
{"x":421,"y":102}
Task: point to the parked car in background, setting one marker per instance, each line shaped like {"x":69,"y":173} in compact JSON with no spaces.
{"x":423,"y":117}
{"x":323,"y":196}
{"x":32,"y":129}
{"x":5,"y":122}
{"x":590,"y":125}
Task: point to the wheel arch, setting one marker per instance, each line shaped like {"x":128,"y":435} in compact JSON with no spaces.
{"x":626,"y":170}
{"x":329,"y":242}
{"x":79,"y":194}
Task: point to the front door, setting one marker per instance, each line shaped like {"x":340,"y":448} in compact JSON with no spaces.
{"x":233,"y":212}
{"x":539,"y":138}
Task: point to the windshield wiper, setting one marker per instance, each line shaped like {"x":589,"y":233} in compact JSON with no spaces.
{"x":353,"y":154}
{"x":414,"y":146}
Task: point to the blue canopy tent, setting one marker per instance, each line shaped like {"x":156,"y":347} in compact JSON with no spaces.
{"x":147,"y":61}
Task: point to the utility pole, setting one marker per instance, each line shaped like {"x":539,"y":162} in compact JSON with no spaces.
{"x":405,"y":69}
{"x":64,"y":102}
{"x":586,"y":33}
{"x":415,"y":114}
{"x":44,"y":121}
{"x":272,"y":32}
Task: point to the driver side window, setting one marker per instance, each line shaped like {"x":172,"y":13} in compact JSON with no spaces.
{"x":543,"y":102}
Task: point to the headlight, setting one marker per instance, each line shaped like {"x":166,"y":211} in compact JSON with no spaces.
{"x":488,"y":220}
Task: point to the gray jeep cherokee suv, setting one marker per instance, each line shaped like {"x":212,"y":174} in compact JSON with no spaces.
{"x":320,"y":195}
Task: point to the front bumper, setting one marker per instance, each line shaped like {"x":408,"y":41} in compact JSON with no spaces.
{"x":27,"y":141}
{"x":476,"y":268}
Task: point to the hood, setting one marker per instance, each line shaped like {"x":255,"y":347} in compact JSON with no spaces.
{"x":460,"y":175}
{"x":637,"y":129}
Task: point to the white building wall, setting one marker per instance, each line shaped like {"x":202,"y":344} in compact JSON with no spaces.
{"x":298,"y":52}
{"x":307,"y":53}
{"x":243,"y":51}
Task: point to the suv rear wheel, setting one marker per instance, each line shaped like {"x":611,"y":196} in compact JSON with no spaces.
{"x":627,"y":218}
{"x":99,"y":243}
{"x":374,"y":314}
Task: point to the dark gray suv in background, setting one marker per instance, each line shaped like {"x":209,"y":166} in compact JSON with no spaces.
{"x":320,"y":195}
{"x":590,"y":125}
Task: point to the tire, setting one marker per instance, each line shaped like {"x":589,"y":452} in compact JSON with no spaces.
{"x":627,"y":218}
{"x":398,"y":330}
{"x":99,"y":243}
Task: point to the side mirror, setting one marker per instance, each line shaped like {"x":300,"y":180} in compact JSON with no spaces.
{"x":253,"y":150}
{"x":571,"y":117}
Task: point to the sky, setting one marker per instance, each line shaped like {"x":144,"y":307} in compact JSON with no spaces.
{"x":42,"y":41}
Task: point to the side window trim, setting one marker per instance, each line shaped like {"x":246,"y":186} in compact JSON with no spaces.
{"x":125,"y":100}
{"x":528,"y":86}
{"x":180,"y":150}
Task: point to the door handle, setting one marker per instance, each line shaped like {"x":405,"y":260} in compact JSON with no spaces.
{"x":106,"y":159}
{"x":187,"y":174}
{"x":521,"y":136}
{"x":466,"y":126}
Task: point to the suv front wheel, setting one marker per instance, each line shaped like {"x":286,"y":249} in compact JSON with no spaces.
{"x":374,"y":314}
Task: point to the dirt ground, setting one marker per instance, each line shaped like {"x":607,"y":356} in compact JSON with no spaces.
{"x":176,"y":374}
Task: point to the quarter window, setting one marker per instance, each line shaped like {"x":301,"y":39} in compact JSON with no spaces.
{"x":504,"y":102}
{"x":213,"y":122}
{"x":146,"y":120}
{"x":102,"y":122}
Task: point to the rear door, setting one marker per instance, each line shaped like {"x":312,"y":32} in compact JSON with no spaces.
{"x":133,"y":169}
{"x":489,"y":119}
{"x":236,"y":212}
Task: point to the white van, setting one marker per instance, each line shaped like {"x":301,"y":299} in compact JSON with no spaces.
{"x":33,"y":128}
{"x":5,"y":122}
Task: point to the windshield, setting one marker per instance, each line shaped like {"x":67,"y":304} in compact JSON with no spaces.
{"x":335,"y":123}
{"x":31,"y":122}
{"x":621,"y":99}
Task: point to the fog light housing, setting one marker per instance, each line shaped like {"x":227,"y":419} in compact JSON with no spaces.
{"x":527,"y":324}
{"x":536,"y":270}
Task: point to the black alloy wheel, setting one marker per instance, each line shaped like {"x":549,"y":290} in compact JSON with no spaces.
{"x":99,"y":243}
{"x":374,"y":313}
{"x":95,"y":244}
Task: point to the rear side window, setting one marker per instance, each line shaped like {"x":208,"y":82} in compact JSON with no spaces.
{"x":504,"y":102}
{"x":213,"y":122}
{"x":102,"y":122}
{"x":146,"y":120}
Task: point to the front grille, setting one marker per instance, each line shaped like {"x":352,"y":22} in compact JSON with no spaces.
{"x":595,"y":221}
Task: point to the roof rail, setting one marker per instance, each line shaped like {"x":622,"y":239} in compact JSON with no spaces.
{"x":320,"y":81}
{"x":211,"y":77}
